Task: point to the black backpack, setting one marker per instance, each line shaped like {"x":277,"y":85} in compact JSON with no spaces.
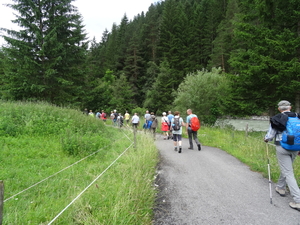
{"x":176,"y":124}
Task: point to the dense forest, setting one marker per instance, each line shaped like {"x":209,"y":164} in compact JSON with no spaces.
{"x":218,"y":57}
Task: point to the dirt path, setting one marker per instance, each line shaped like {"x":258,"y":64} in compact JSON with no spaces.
{"x":212,"y":187}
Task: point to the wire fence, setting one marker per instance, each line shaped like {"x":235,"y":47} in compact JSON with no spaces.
{"x":84,"y":190}
{"x":2,"y":200}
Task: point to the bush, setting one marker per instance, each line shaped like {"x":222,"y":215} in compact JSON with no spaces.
{"x":205,"y":93}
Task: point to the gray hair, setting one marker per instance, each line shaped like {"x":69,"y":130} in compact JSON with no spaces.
{"x":284,"y":105}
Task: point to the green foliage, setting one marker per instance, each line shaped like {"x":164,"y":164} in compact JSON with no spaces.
{"x":205,"y":93}
{"x":42,"y":120}
{"x":257,"y":42}
{"x":140,"y":111}
{"x":266,"y":53}
{"x":44,"y":60}
{"x":159,"y":97}
{"x":58,"y":155}
{"x":122,"y":94}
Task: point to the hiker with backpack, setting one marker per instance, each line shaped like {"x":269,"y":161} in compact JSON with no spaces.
{"x":165,"y":125}
{"x":103,"y":116}
{"x":170,"y":117}
{"x":285,"y":128}
{"x":135,"y":120}
{"x":115,"y":118}
{"x":120,"y":120}
{"x":127,"y":117}
{"x":176,"y":127}
{"x":192,"y":126}
{"x":154,"y":124}
{"x":98,"y":115}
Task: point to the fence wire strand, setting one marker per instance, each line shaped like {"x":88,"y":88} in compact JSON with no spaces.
{"x":89,"y":186}
{"x":11,"y":197}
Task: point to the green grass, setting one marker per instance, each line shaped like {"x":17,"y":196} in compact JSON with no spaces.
{"x":39,"y":140}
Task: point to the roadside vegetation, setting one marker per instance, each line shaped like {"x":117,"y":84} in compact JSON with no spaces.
{"x":41,"y":141}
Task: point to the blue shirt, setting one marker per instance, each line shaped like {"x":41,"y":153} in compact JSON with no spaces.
{"x":188,"y":119}
{"x":170,"y":117}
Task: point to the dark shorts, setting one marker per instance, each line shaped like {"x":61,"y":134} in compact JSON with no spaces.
{"x":176,"y":137}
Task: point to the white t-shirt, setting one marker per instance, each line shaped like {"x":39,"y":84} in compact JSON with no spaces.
{"x":135,"y":119}
{"x":164,"y":119}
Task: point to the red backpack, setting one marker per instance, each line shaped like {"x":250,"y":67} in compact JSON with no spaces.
{"x":195,"y":123}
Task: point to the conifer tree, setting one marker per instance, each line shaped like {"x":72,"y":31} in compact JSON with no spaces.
{"x":45,"y":58}
{"x":150,"y":34}
{"x":122,"y":42}
{"x":159,"y":96}
{"x":267,"y":57}
{"x":122,"y":94}
{"x":133,"y":69}
{"x":223,"y":44}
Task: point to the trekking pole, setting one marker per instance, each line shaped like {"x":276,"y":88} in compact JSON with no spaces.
{"x":269,"y":172}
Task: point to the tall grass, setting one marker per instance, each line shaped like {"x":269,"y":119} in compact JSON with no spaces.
{"x":39,"y":140}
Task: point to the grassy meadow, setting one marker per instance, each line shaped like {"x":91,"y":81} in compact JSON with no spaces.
{"x":67,"y":151}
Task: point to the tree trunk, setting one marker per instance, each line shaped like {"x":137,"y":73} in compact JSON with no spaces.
{"x":271,"y":111}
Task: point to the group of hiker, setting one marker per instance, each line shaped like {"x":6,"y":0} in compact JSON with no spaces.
{"x":171,"y":125}
{"x":99,"y":115}
{"x":284,"y":128}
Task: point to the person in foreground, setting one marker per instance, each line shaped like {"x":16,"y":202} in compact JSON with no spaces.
{"x":285,"y":157}
{"x":192,"y":134}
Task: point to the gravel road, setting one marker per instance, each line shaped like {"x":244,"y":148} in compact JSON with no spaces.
{"x":212,"y":187}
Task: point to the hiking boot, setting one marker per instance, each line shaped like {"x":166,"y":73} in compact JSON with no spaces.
{"x":295,"y":205}
{"x":179,"y":150}
{"x":281,"y":192}
{"x":199,"y":147}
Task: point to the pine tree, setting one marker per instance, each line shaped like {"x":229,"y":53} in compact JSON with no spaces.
{"x":133,"y":69}
{"x":223,"y":44}
{"x":122,"y":42}
{"x":267,"y":57}
{"x":150,"y":34}
{"x":122,"y":94}
{"x":44,"y":59}
{"x":158,"y":98}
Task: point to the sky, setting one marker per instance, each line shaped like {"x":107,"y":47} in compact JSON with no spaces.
{"x":98,"y":15}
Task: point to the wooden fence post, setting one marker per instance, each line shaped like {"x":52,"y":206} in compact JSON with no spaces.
{"x":1,"y":200}
{"x":134,"y":134}
{"x":246,"y":130}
